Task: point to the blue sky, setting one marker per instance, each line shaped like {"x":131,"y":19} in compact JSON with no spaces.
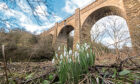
{"x":18,"y":14}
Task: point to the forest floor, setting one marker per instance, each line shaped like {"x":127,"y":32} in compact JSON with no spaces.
{"x":24,"y":71}
{"x":20,"y":71}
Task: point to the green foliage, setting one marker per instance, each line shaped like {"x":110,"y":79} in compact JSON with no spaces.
{"x":123,"y":77}
{"x":29,"y":76}
{"x":12,"y":82}
{"x":46,"y":82}
{"x":124,"y":72}
{"x":51,"y":77}
{"x":114,"y":74}
{"x":72,"y":66}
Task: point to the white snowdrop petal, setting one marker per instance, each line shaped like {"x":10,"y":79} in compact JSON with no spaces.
{"x":61,"y":56}
{"x":53,"y":61}
{"x":60,"y":62}
{"x":67,"y":56}
{"x":77,"y":46}
{"x":87,"y":55}
{"x":58,"y":48}
{"x":65,"y":53}
{"x":56,"y":55}
{"x":85,"y":44}
{"x":78,"y":59}
{"x":70,"y":60}
{"x":70,"y":52}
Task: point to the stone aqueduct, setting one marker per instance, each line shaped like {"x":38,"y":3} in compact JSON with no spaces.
{"x":83,"y":20}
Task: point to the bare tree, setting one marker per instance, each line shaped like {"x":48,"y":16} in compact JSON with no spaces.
{"x":97,"y":33}
{"x":117,"y":32}
{"x":110,"y":36}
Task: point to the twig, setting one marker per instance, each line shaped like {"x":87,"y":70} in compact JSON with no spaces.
{"x":104,"y":80}
{"x":128,"y":58}
{"x":86,"y":77}
{"x":117,"y":66}
{"x":5,"y":64}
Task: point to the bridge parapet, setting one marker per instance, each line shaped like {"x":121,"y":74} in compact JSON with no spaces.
{"x":61,"y":23}
{"x":92,"y":5}
{"x":50,"y":30}
{"x":70,"y":18}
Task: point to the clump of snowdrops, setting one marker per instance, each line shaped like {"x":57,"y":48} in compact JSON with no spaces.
{"x":73,"y":64}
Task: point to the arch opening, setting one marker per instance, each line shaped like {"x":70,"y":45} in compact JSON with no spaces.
{"x":111,"y":31}
{"x":65,"y":37}
{"x":94,"y":17}
{"x":107,"y":31}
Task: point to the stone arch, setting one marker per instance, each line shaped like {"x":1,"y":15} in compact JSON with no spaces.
{"x":94,"y":17}
{"x":63,"y":35}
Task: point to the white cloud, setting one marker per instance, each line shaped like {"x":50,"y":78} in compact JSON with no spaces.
{"x":26,"y":21}
{"x":4,"y":9}
{"x":10,"y":12}
{"x":3,"y":6}
{"x":41,"y":12}
{"x":7,"y":25}
{"x":71,"y":5}
{"x":34,"y":27}
{"x":57,"y":18}
{"x":23,"y":6}
{"x":82,"y":3}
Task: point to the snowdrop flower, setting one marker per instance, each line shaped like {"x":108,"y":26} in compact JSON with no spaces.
{"x":58,"y":48}
{"x":86,"y":47}
{"x":85,"y":44}
{"x":65,"y":53}
{"x":70,"y":52}
{"x":97,"y":79}
{"x":53,"y":61}
{"x":67,"y":56}
{"x":78,"y":46}
{"x":61,"y":56}
{"x":60,"y":62}
{"x":87,"y":55}
{"x":56,"y":55}
{"x":82,"y":48}
{"x":76,"y":54}
{"x":65,"y":49}
{"x":78,"y":59}
{"x":69,"y":60}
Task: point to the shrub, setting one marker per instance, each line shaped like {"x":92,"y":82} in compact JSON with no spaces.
{"x":43,"y":49}
{"x":73,"y":65}
{"x":18,"y":44}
